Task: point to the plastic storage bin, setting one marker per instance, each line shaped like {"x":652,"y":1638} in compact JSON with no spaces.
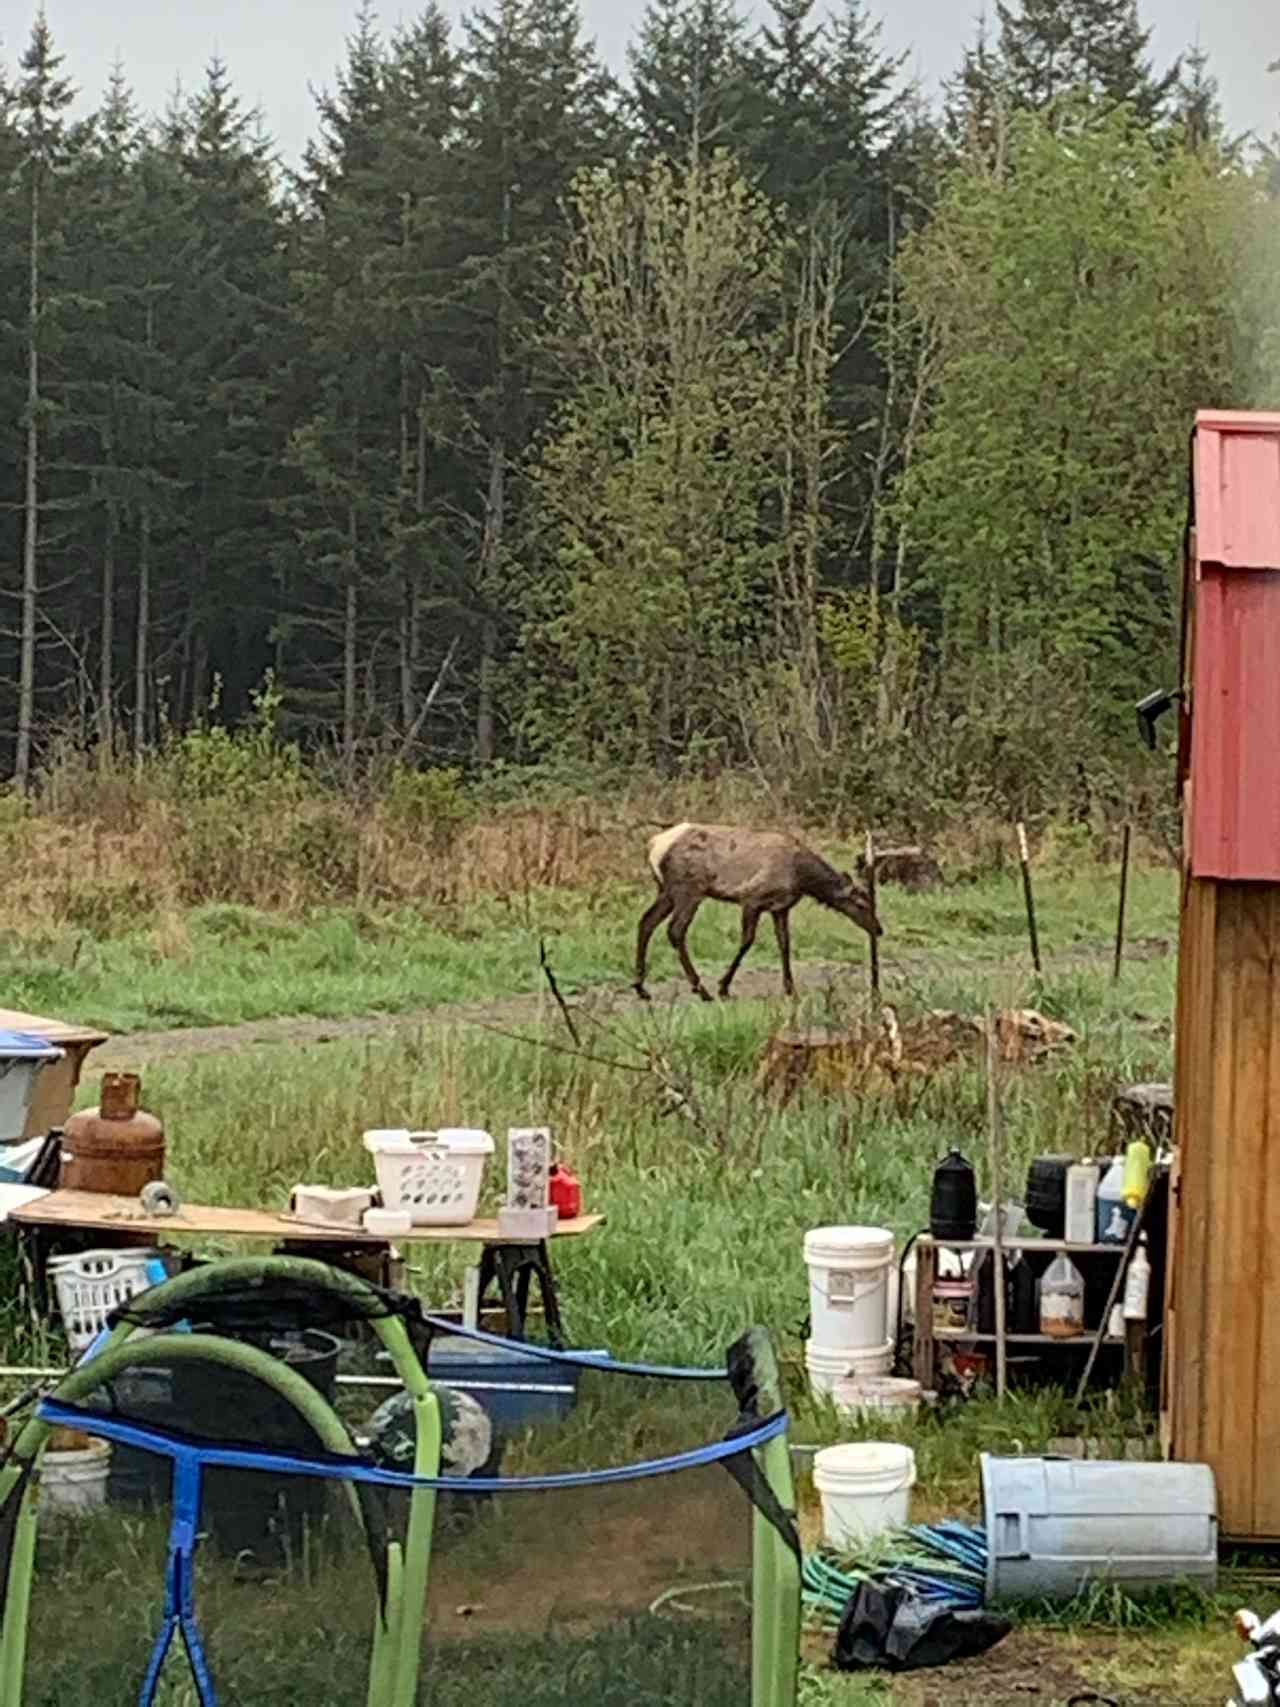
{"x":515,"y":1388}
{"x":435,"y":1176}
{"x":90,"y":1284}
{"x":22,"y":1055}
{"x":1055,"y":1525}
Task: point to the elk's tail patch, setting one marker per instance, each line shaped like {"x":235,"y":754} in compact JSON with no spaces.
{"x":661,"y":845}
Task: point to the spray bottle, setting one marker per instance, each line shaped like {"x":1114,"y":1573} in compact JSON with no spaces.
{"x":1137,"y":1284}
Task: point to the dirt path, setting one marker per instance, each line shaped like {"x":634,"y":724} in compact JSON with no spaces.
{"x":517,"y":1012}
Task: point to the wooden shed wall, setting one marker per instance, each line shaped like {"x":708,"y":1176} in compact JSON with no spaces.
{"x":1222,"y":1375}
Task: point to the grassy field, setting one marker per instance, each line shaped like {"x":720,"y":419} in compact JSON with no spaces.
{"x":708,"y":1188}
{"x":222,"y":963}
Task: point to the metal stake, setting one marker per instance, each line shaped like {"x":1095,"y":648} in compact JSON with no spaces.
{"x":997,"y":1206}
{"x":1025,"y":856}
{"x":1124,"y":895}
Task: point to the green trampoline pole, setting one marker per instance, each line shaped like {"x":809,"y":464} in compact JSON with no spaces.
{"x":422,"y":1509}
{"x":775,"y":1573}
{"x":13,"y":1639}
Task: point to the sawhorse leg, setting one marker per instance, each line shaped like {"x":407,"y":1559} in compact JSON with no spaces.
{"x":513,"y":1269}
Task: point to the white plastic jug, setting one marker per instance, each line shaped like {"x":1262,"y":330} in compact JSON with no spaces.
{"x":1114,"y":1215}
{"x":1082,"y":1203}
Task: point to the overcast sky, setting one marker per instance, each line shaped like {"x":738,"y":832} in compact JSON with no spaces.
{"x":277,"y":48}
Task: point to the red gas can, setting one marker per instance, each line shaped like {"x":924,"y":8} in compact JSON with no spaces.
{"x":564,"y":1192}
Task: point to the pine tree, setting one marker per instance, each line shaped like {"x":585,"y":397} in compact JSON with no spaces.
{"x":977,"y":99}
{"x":343,"y":447}
{"x":692,"y":83}
{"x":1052,"y":48}
{"x":1197,"y":105}
{"x":537,"y":108}
{"x":831,"y":100}
{"x":225,"y":326}
{"x":42,"y":98}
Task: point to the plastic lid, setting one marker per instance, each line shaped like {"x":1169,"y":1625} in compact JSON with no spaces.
{"x":26,"y":1046}
{"x":838,"y":1242}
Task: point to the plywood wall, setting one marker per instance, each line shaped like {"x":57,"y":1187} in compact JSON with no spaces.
{"x":1222,"y":1375}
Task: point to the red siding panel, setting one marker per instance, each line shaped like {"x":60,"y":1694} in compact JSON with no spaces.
{"x":1235,"y":727}
{"x":1234,"y":798}
{"x":1238,"y":490}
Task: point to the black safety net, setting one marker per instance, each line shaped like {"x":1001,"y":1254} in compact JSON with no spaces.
{"x":591,"y":1543}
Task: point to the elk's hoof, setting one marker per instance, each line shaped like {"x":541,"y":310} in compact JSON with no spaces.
{"x":702,"y":994}
{"x":641,"y":992}
{"x":724,"y":993}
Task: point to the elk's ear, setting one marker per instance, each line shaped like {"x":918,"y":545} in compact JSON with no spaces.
{"x":861,"y":871}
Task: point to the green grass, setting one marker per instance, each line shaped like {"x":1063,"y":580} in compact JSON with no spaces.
{"x":708,"y":1189}
{"x":223,"y":963}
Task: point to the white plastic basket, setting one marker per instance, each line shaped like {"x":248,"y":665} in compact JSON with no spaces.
{"x":91,"y":1283}
{"x":435,"y":1176}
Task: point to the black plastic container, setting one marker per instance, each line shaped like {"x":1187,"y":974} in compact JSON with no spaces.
{"x":243,"y":1511}
{"x":251,"y":1511}
{"x":1047,"y":1194}
{"x":953,"y":1203}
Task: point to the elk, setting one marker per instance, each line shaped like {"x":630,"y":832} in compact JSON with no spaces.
{"x":761,"y":871}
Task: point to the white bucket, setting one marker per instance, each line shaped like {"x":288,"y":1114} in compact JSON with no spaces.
{"x":75,"y":1480}
{"x":827,"y":1368}
{"x":849,"y":1285}
{"x":876,"y":1395}
{"x":865,"y":1488}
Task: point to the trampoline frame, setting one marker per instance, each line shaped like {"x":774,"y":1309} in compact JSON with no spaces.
{"x":396,"y":1658}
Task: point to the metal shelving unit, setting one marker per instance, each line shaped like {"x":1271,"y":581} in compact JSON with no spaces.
{"x":927,"y":1338}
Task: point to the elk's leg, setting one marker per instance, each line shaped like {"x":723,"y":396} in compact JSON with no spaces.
{"x":782,"y":930}
{"x":677,"y":930}
{"x":661,"y":909}
{"x":750,"y":919}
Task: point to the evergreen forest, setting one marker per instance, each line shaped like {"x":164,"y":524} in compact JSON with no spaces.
{"x":741,"y":409}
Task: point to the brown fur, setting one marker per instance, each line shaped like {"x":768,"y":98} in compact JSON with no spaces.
{"x":761,"y":871}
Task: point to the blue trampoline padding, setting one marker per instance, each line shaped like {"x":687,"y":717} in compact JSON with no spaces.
{"x":212,"y":1455}
{"x":581,"y":1359}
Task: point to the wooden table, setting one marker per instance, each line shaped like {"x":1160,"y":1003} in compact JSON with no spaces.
{"x":510,"y":1263}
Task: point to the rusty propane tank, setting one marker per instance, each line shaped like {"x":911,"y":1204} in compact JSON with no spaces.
{"x":115,"y":1147}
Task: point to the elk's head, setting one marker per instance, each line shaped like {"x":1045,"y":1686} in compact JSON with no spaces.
{"x":853,"y":899}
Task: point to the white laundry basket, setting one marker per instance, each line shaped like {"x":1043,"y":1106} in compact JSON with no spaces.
{"x":435,"y":1176}
{"x":90,"y":1284}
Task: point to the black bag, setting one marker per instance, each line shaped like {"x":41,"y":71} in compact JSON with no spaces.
{"x":892,"y":1630}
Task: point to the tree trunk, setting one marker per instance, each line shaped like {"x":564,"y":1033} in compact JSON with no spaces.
{"x":349,"y":684}
{"x":411,"y":614}
{"x":490,"y":553}
{"x":199,"y":673}
{"x":107,"y":641}
{"x":142,"y":634}
{"x":30,"y":585}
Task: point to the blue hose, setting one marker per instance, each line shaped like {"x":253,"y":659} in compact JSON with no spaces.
{"x":943,"y":1564}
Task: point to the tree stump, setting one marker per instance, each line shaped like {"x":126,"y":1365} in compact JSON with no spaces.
{"x":829,"y":1060}
{"x":1144,"y":1111}
{"x":912,"y":868}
